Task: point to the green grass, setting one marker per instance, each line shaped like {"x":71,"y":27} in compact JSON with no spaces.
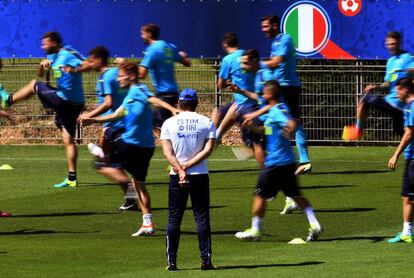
{"x":79,"y":232}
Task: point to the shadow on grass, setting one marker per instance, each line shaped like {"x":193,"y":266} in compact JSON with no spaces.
{"x":353,"y":172}
{"x":333,"y":210}
{"x":233,"y":170}
{"x":190,"y":208}
{"x":310,"y":187}
{"x":96,"y":184}
{"x":253,"y":266}
{"x":195,"y":233}
{"x":63,"y":214}
{"x":345,"y":210}
{"x":26,"y":232}
{"x":373,"y":239}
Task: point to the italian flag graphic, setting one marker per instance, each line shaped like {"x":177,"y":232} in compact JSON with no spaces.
{"x":308,"y":27}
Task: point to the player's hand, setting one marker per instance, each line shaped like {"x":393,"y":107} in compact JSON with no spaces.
{"x":289,"y":129}
{"x":248,"y":119}
{"x":86,"y":121}
{"x":370,"y":88}
{"x":118,"y":61}
{"x":45,"y":64}
{"x":185,"y":165}
{"x":175,"y":111}
{"x":233,"y":88}
{"x":67,"y":69}
{"x":183,"y":54}
{"x":392,"y":163}
{"x":81,"y":117}
{"x":183,"y":177}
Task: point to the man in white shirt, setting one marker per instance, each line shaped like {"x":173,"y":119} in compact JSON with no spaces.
{"x":187,"y":140}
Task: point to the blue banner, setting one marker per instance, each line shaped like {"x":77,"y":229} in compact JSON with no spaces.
{"x":321,"y":29}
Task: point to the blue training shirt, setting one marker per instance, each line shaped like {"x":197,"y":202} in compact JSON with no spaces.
{"x":69,"y":85}
{"x":262,"y":76}
{"x":107,"y":84}
{"x":409,"y":121}
{"x":231,"y":69}
{"x":159,"y":58}
{"x":138,"y":117}
{"x":395,"y":70}
{"x":278,"y":148}
{"x":285,"y":73}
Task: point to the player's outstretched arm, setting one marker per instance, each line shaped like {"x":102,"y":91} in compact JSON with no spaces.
{"x":200,"y":156}
{"x":162,"y":104}
{"x":236,"y":89}
{"x":99,"y":110}
{"x":185,"y":61}
{"x":248,"y":118}
{"x":172,"y":159}
{"x":119,"y":113}
{"x":405,"y":140}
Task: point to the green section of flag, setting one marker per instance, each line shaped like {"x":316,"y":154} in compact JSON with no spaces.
{"x":292,"y":26}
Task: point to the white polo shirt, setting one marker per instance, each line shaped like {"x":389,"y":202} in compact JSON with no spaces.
{"x":188,"y":133}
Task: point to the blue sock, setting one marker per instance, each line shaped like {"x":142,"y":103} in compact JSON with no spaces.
{"x":302,"y":145}
{"x":360,"y":124}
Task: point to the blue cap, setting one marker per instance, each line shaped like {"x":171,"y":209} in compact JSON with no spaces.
{"x":188,"y":95}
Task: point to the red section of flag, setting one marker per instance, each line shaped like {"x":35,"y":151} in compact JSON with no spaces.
{"x":333,"y":51}
{"x":319,"y":28}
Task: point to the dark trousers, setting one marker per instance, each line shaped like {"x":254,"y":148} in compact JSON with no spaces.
{"x":198,"y":189}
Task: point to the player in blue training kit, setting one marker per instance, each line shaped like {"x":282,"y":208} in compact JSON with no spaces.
{"x":159,"y":58}
{"x":134,"y":147}
{"x":250,"y":63}
{"x":7,"y":116}
{"x":231,"y":70}
{"x":280,"y":164}
{"x":109,"y":97}
{"x":405,"y":93}
{"x":399,"y":65}
{"x":283,"y":64}
{"x":66,"y":99}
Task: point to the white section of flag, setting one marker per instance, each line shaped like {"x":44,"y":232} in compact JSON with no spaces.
{"x":305,"y":26}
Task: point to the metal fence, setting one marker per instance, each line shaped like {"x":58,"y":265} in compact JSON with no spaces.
{"x":331,"y":89}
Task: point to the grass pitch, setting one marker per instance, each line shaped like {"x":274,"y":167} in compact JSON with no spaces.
{"x":80,"y":233}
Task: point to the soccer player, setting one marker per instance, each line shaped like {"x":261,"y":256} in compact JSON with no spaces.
{"x":158,"y":60}
{"x":250,"y":62}
{"x":405,"y":93}
{"x":232,"y":71}
{"x":398,"y":66}
{"x":283,"y":64}
{"x":134,"y":147}
{"x":66,"y":99}
{"x":279,"y":171}
{"x":7,"y":116}
{"x":187,"y":140}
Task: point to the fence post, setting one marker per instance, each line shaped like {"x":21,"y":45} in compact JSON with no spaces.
{"x":218,"y":96}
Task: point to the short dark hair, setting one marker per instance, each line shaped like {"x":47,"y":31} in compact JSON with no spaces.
{"x":394,"y":35}
{"x":252,"y":54}
{"x":188,"y":105}
{"x":153,"y":29}
{"x":230,"y":39}
{"x":272,"y":19}
{"x":100,"y":52}
{"x":54,"y":37}
{"x":406,"y":83}
{"x":130,"y":68}
{"x":276,"y":86}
